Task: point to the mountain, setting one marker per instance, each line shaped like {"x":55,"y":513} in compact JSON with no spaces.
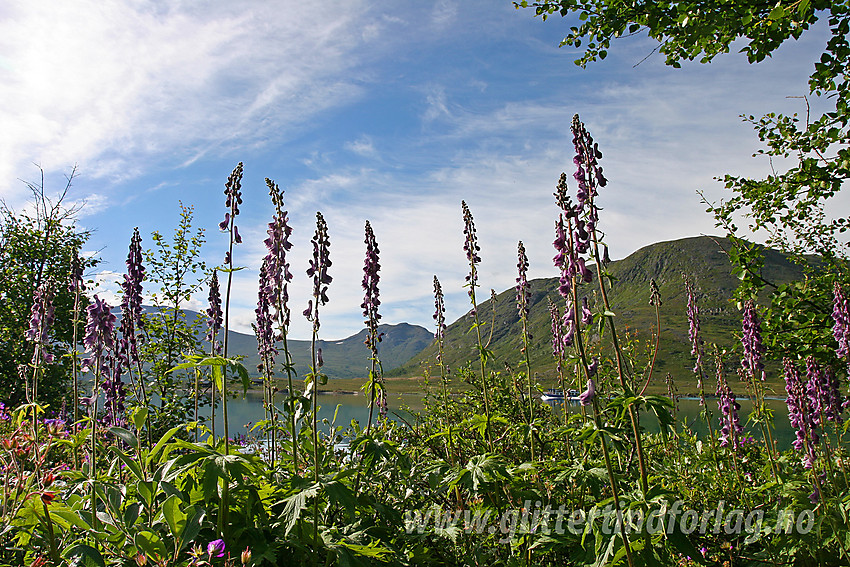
{"x":346,"y":358}
{"x":702,"y":258}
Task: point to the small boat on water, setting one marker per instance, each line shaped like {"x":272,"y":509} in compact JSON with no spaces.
{"x":556,"y":395}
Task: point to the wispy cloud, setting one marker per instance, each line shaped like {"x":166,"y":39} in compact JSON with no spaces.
{"x":118,"y":86}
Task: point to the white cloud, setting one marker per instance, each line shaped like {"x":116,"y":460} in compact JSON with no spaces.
{"x":362,"y":146}
{"x":117,"y":86}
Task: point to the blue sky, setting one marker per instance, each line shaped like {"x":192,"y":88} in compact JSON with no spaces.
{"x":387,"y":111}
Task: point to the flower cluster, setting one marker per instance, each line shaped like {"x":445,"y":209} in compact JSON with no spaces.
{"x":264,"y":328}
{"x":318,"y":270}
{"x":439,"y":310}
{"x":75,"y":282}
{"x":100,"y":331}
{"x":371,"y":302}
{"x":523,"y":288}
{"x":588,"y":173}
{"x":800,"y":413}
{"x":822,"y":389}
{"x":694,"y":329}
{"x":215,"y":317}
{"x":731,"y":431}
{"x":557,"y":336}
{"x":277,"y":243}
{"x":753,"y":347}
{"x":41,"y":319}
{"x":131,"y":301}
{"x":470,"y":246}
{"x":233,"y":198}
{"x":841,"y":329}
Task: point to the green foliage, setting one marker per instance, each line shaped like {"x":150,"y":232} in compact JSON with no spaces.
{"x":175,"y":268}
{"x":37,"y":248}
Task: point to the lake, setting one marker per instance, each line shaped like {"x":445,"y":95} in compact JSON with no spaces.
{"x":244,"y":412}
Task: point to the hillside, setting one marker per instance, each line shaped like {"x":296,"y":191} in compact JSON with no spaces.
{"x":346,"y":358}
{"x":700,"y":257}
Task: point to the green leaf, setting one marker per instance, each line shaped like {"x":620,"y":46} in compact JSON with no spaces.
{"x":129,"y":463}
{"x":294,"y":505}
{"x":125,"y":436}
{"x":140,"y":416}
{"x":174,"y":516}
{"x":84,"y":555}
{"x":150,"y":543}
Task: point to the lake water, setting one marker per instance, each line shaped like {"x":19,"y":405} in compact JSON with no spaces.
{"x":244,"y":412}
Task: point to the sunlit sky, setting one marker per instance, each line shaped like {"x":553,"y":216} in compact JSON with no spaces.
{"x":380,"y":110}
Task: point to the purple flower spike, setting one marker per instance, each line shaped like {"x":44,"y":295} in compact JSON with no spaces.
{"x":41,"y":320}
{"x":753,"y":346}
{"x":731,"y":431}
{"x":215,"y":317}
{"x":278,"y":246}
{"x":264,"y":326}
{"x":100,"y":327}
{"x":233,"y":198}
{"x":523,"y":287}
{"x":371,"y":277}
{"x":76,"y":281}
{"x":470,"y":246}
{"x":215,"y":548}
{"x":563,"y":259}
{"x":841,"y":329}
{"x":694,"y":329}
{"x":439,"y":310}
{"x":318,"y":270}
{"x":800,"y":413}
{"x":131,"y":302}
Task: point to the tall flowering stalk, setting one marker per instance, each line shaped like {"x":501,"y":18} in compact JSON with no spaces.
{"x":523,"y":300}
{"x":804,"y":420}
{"x":697,"y":350}
{"x":215,"y":320}
{"x":576,"y":235}
{"x":278,"y":245}
{"x":440,"y":319}
{"x":825,"y":404}
{"x":318,"y":270}
{"x":264,"y":330}
{"x":76,"y":286}
{"x":99,"y":341}
{"x":654,"y":301}
{"x":233,"y":198}
{"x":41,"y":320}
{"x":471,"y":248}
{"x":752,"y":372}
{"x":589,"y":179}
{"x":731,"y":431}
{"x":131,"y":308}
{"x":371,"y":302}
{"x":131,"y":322}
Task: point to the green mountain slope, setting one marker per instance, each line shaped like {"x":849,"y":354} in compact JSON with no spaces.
{"x":702,"y":258}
